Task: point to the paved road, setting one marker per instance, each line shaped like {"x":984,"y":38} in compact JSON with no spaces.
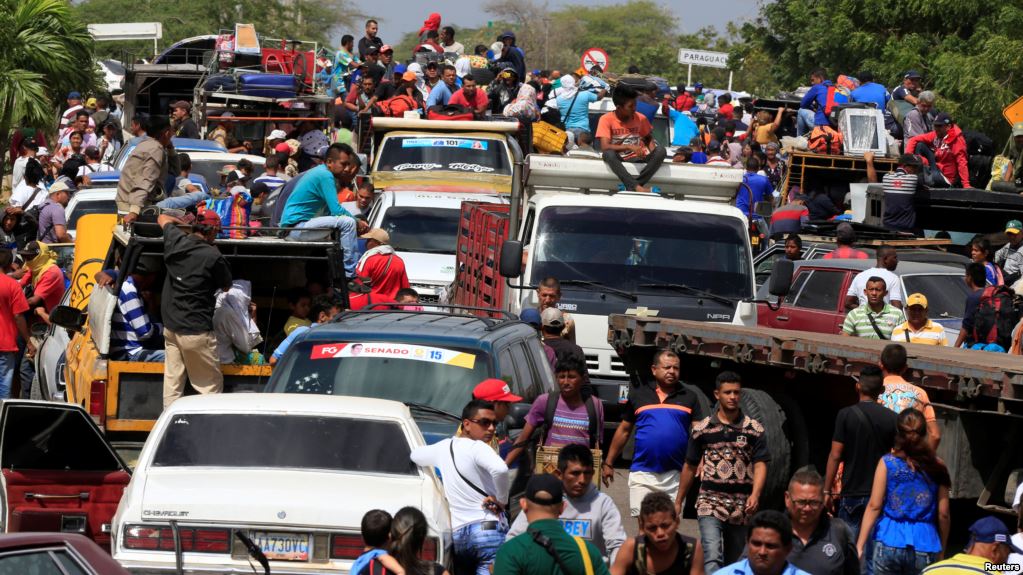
{"x":619,"y":492}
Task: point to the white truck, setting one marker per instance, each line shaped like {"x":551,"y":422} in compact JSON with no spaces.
{"x":683,"y":253}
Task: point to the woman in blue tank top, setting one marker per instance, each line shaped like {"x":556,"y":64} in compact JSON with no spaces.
{"x":908,"y":503}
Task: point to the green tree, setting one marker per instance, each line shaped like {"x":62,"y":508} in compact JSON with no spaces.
{"x":45,"y":51}
{"x":969,"y":52}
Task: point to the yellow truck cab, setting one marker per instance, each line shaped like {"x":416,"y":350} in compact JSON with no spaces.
{"x":126,"y":397}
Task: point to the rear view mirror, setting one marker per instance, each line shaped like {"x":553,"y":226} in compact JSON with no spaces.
{"x":780,"y":282}
{"x":68,"y":317}
{"x":511,"y":259}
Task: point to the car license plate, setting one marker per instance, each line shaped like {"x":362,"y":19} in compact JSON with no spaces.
{"x":282,"y":546}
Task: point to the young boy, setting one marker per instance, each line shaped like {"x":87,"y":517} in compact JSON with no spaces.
{"x":568,"y":419}
{"x":323,"y":308}
{"x":298,"y":302}
{"x":376,"y":534}
{"x":658,"y":548}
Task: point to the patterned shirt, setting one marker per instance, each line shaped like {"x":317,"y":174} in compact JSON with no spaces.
{"x":130,"y":324}
{"x":729,"y":452}
{"x":930,"y":334}
{"x":857,"y":322}
{"x":569,"y":425}
{"x":899,"y":394}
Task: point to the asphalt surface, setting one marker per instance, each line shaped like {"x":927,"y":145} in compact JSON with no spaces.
{"x":619,"y":492}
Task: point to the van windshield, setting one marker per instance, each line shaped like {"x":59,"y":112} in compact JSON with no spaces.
{"x":422,"y":229}
{"x":632,"y":248}
{"x":441,"y":378}
{"x":453,"y":153}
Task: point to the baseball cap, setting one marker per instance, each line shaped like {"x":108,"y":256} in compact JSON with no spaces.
{"x":400,"y":69}
{"x":378,"y":235}
{"x":991,"y":530}
{"x":916,"y":299}
{"x":698,"y":85}
{"x":210,"y":218}
{"x":277,"y":135}
{"x":531,"y":316}
{"x":182,"y":104}
{"x":74,"y":95}
{"x":1013,"y":226}
{"x":386,"y":48}
{"x":714,"y":146}
{"x":942,"y":119}
{"x":912,"y":74}
{"x":552,"y":317}
{"x":61,"y":186}
{"x":90,"y":103}
{"x":544,"y":489}
{"x":431,"y":64}
{"x":494,"y":389}
{"x":845,"y":232}
{"x":372,"y":50}
{"x":283,"y":147}
{"x":409,"y":76}
{"x":43,"y":151}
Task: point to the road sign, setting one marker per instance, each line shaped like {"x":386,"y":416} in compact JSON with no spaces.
{"x":1013,"y":113}
{"x":595,"y":57}
{"x":703,"y":58}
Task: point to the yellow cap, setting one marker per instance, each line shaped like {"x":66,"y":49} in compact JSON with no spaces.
{"x":916,"y":299}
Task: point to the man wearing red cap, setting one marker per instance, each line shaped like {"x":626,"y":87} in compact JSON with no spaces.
{"x":497,"y":392}
{"x":195,"y":271}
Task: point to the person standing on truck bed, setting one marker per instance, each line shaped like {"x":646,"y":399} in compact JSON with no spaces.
{"x":195,"y":271}
{"x":864,"y":432}
{"x":625,"y":136}
{"x":662,"y":413}
{"x":876,"y":319}
{"x":130,"y":327}
{"x":887,"y":261}
{"x":381,"y":269}
{"x":900,"y":395}
{"x":548,"y":294}
{"x":900,"y":190}
{"x":733,"y":451}
{"x":845,"y":238}
{"x":318,"y":190}
{"x":181,"y":121}
{"x":370,"y":39}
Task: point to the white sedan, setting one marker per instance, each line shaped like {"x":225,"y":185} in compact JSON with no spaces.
{"x":291,"y":473}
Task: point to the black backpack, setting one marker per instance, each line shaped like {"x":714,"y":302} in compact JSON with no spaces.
{"x":996,"y":317}
{"x":591,"y":414}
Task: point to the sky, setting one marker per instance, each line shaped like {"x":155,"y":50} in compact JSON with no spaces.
{"x":401,"y":16}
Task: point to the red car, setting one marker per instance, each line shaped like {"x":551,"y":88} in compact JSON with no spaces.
{"x":54,"y":553}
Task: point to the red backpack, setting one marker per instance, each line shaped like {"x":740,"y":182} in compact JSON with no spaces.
{"x":996,"y":317}
{"x":397,"y":106}
{"x":825,"y":140}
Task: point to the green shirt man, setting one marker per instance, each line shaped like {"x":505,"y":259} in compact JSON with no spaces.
{"x":545,"y":548}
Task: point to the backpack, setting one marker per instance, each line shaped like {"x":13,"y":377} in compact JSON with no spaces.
{"x":397,"y":106}
{"x":825,"y":140}
{"x":449,"y":112}
{"x":995,"y":317}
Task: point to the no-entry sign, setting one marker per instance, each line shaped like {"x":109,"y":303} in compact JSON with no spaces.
{"x":595,"y":57}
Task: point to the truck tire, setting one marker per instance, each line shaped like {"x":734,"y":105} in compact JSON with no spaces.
{"x":762,"y":407}
{"x":701,"y":398}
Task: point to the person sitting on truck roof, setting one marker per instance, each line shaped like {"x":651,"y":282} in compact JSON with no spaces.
{"x":870,"y":92}
{"x":814,"y":105}
{"x":317,"y":190}
{"x":887,"y":261}
{"x":441,"y":93}
{"x":133,"y":335}
{"x":919,"y":120}
{"x":323,"y":308}
{"x":845,"y":237}
{"x":944,"y":148}
{"x":685,"y":126}
{"x":900,"y":395}
{"x":918,"y":328}
{"x":470,"y":96}
{"x":910,"y":88}
{"x":875,"y":319}
{"x":626,"y":136}
{"x":380,"y":268}
{"x":757,"y":189}
{"x":789,"y":219}
{"x":900,"y":189}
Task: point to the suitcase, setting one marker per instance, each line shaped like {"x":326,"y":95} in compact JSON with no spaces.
{"x":449,"y":113}
{"x":221,"y":83}
{"x":267,"y":85}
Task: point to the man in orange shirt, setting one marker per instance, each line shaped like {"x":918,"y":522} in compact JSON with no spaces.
{"x":625,"y":137}
{"x":899,"y":394}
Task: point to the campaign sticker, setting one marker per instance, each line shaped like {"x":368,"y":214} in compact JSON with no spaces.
{"x":394,"y":350}
{"x":445,"y":143}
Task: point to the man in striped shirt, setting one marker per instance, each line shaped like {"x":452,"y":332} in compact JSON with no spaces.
{"x":917,"y":327}
{"x":130,"y":326}
{"x":877,"y":319}
{"x":900,"y":189}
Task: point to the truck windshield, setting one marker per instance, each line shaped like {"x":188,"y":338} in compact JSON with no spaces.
{"x":945,"y":293}
{"x":284,"y":441}
{"x":428,"y":230}
{"x":629,"y":248}
{"x":438,"y":377}
{"x":455,"y":153}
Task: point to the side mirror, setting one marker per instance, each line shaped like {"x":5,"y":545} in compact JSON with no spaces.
{"x":68,"y":317}
{"x":517,"y":415}
{"x":780,"y":283}
{"x":511,"y":259}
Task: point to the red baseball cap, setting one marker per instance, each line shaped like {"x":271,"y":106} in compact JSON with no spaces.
{"x":494,"y":390}
{"x":210,"y":218}
{"x":282,"y":147}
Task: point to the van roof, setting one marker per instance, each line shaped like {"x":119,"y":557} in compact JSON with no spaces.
{"x":413,"y":326}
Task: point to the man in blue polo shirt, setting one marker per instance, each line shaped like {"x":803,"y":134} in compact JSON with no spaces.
{"x":760,"y":188}
{"x":871,"y":92}
{"x":662,"y":413}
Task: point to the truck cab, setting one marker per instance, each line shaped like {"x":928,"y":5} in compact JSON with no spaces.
{"x":683,"y":253}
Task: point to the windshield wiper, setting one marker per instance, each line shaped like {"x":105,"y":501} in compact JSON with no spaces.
{"x":597,"y":286}
{"x":690,"y":290}
{"x":430,"y":409}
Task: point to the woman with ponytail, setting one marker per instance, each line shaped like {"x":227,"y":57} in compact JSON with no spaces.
{"x":408,"y":536}
{"x":908,"y":503}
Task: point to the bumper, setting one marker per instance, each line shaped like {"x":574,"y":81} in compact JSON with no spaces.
{"x":232,"y":567}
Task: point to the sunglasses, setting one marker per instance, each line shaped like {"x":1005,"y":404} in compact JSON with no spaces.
{"x":484,"y":422}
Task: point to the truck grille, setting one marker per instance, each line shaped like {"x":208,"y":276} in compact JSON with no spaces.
{"x":617,"y":367}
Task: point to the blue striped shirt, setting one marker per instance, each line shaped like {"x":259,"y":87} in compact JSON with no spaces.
{"x":130,"y":324}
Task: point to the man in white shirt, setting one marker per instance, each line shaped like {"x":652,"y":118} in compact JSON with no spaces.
{"x":476,"y":485}
{"x":29,"y":149}
{"x":30,"y":191}
{"x":447,"y":41}
{"x":887,"y":261}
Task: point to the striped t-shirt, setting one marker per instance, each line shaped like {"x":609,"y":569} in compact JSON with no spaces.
{"x":130,"y":324}
{"x":570,"y":425}
{"x":930,"y":334}
{"x":899,"y":191}
{"x":857,"y":322}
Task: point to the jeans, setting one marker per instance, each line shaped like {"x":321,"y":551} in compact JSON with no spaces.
{"x":475,"y":547}
{"x":900,"y":560}
{"x":149,"y":355}
{"x":27,"y":373}
{"x":8,"y":360}
{"x":653,"y":161}
{"x":181,"y":202}
{"x":932,"y":176}
{"x":805,"y":121}
{"x":723,"y":543}
{"x":850,"y":510}
{"x":347,"y":236}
